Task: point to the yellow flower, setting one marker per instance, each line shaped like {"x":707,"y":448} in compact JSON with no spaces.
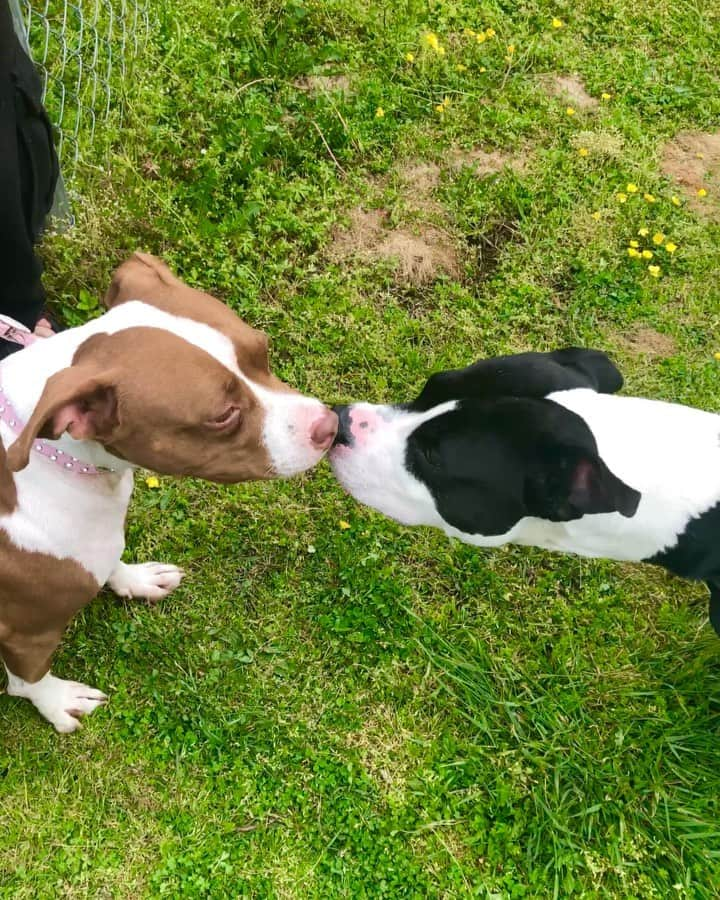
{"x":379,"y":112}
{"x":702,"y":192}
{"x":631,"y":188}
{"x":510,"y":49}
{"x":621,"y":197}
{"x":490,"y":32}
{"x":634,"y":244}
{"x":460,"y":68}
{"x":343,"y":524}
{"x":649,"y":197}
{"x":409,"y":57}
{"x":152,"y":481}
{"x":670,"y":247}
{"x":717,"y":355}
{"x":700,"y":156}
{"x":654,"y":271}
{"x":643,"y":232}
{"x":481,"y":37}
{"x":468,"y":32}
{"x":632,"y":253}
{"x":658,"y":238}
{"x":583,"y":151}
{"x":596,"y":215}
{"x":482,"y":69}
{"x":605,"y":96}
{"x":431,"y":40}
{"x":440,"y":51}
{"x":675,"y":200}
{"x":647,"y":254}
{"x":570,"y":111}
{"x":557,"y":23}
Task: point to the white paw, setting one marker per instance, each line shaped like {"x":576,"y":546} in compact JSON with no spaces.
{"x":61,"y":702}
{"x":150,"y":580}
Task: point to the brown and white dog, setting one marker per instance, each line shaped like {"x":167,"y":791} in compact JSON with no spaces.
{"x":169,"y":379}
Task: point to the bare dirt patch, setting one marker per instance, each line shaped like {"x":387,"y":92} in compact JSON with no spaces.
{"x":419,"y":256}
{"x":646,"y":341}
{"x":486,"y":162}
{"x":418,"y":181}
{"x":382,"y":745}
{"x":324,"y":83}
{"x":692,"y":159}
{"x":571,"y":88}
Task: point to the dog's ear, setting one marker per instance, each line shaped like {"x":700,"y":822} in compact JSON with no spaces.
{"x":533,"y":375}
{"x":79,"y":400}
{"x":565,"y":482}
{"x":139,"y":278}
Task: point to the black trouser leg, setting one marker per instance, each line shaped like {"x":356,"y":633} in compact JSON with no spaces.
{"x":28,"y":174}
{"x":714,"y":586}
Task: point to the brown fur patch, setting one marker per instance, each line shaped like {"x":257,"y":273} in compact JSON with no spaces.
{"x":692,"y":159}
{"x":419,"y":257}
{"x":570,"y":88}
{"x":39,"y":595}
{"x":647,"y":341}
{"x":8,"y":491}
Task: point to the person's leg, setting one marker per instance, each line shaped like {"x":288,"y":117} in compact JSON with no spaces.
{"x":28,"y":174}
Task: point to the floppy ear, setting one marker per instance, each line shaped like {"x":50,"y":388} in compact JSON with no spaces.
{"x":78,"y":400}
{"x":570,"y":482}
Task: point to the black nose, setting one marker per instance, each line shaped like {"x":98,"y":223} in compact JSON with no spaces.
{"x":344,"y":435}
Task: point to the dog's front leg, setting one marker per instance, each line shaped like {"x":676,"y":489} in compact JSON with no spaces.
{"x":152,"y":580}
{"x":27,"y":662}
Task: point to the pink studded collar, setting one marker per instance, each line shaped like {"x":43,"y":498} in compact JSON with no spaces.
{"x":12,"y":331}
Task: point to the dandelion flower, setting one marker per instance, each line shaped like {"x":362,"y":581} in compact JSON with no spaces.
{"x":649,"y":197}
{"x":482,"y":69}
{"x":481,"y":37}
{"x":583,"y":151}
{"x":409,"y":57}
{"x":634,"y":244}
{"x":654,"y":271}
{"x":557,"y":23}
{"x":460,"y":68}
{"x":647,"y":254}
{"x":670,"y":247}
{"x":632,"y":253}
{"x":510,"y":49}
{"x":152,"y":482}
{"x":702,"y":192}
{"x":632,"y":188}
{"x":343,"y":524}
{"x":658,"y":238}
{"x":432,"y":40}
{"x":490,"y":32}
{"x":570,"y":111}
{"x":596,"y":215}
{"x":605,"y":96}
{"x":643,"y":232}
{"x":621,"y":197}
{"x":675,"y":200}
{"x":379,"y":112}
{"x":717,"y":355}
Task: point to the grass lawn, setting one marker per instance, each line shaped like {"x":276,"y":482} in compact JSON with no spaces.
{"x":322,"y":711}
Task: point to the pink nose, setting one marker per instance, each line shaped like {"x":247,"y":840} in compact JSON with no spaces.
{"x":323,"y":430}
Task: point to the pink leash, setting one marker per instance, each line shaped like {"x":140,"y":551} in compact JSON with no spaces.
{"x":13,"y":331}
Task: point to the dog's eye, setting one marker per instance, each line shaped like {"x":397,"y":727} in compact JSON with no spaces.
{"x":229,"y":419}
{"x":431,"y":456}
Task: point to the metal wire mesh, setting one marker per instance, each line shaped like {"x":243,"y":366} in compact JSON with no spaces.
{"x":84,"y":51}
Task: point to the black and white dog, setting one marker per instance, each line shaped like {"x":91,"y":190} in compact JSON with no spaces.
{"x":534,"y":449}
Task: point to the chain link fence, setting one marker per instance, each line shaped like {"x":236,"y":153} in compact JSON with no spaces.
{"x":84,"y":51}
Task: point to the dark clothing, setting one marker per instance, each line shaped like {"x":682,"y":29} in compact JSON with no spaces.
{"x":28,"y":175}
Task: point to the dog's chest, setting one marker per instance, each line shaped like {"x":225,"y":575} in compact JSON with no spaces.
{"x":70,"y":516}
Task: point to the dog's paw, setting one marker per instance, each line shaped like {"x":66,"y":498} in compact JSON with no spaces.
{"x":152,"y":580}
{"x":62,"y":703}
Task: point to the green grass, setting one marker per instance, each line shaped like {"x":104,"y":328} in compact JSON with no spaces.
{"x":379,"y":712}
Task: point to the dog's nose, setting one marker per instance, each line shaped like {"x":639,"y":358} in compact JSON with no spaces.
{"x":344,"y":434}
{"x":322,"y":430}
